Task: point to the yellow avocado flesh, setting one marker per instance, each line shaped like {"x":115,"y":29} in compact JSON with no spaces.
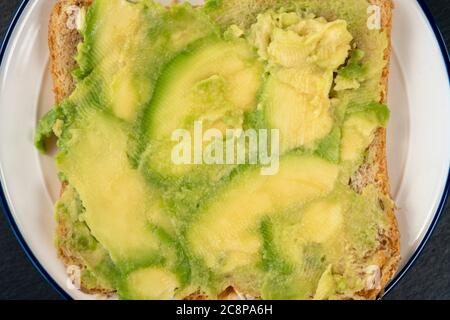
{"x":206,"y":85}
{"x":301,"y":119}
{"x":122,"y":89}
{"x":203,"y":84}
{"x":126,"y":65}
{"x":80,"y":243}
{"x":151,"y":284}
{"x":226,"y":234}
{"x":301,"y":233}
{"x":357,"y":134}
{"x":119,"y":204}
{"x":302,"y":56}
{"x":321,"y":222}
{"x":311,"y":245}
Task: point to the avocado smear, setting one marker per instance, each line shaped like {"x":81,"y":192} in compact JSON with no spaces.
{"x":149,"y":229}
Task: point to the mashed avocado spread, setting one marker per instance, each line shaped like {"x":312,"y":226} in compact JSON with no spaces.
{"x":150,"y":228}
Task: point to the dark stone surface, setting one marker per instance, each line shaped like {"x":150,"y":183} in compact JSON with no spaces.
{"x":428,"y":279}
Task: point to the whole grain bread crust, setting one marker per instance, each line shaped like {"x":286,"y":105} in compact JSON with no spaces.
{"x":63,"y":42}
{"x":376,"y":171}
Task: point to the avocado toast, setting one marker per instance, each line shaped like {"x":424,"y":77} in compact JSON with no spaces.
{"x":137,"y":224}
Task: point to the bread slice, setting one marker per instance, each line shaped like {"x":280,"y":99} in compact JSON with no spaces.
{"x":63,"y":41}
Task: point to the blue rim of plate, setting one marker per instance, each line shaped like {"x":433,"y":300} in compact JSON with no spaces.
{"x":5,"y":207}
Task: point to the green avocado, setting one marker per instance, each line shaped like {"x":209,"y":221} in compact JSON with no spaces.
{"x":225,"y":235}
{"x":81,"y":245}
{"x":126,"y":67}
{"x":203,"y":83}
{"x":304,"y":73}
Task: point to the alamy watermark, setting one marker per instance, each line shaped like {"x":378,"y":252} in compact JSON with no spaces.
{"x":73,"y":281}
{"x":374,"y":17}
{"x":235,"y":146}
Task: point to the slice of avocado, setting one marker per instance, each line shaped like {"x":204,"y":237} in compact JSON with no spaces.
{"x":204,"y":83}
{"x":212,"y":69}
{"x":302,"y":56}
{"x":77,"y":243}
{"x":284,"y":285}
{"x":120,"y":208}
{"x":330,"y":231}
{"x":225,"y":233}
{"x":149,"y":284}
{"x":125,"y":56}
{"x":301,"y":119}
{"x":359,"y":127}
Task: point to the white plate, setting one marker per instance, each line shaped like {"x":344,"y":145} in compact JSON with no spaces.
{"x":418,"y":147}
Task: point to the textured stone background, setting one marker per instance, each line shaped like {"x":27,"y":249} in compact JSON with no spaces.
{"x":428,"y":279}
